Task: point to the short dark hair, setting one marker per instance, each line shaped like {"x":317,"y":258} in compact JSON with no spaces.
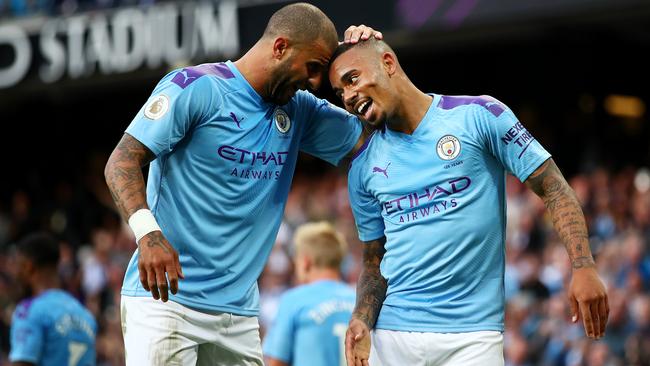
{"x":303,"y":23}
{"x":41,"y":248}
{"x":378,"y":44}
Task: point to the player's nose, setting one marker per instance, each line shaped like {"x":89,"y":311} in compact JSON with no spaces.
{"x":349,"y":98}
{"x":315,"y":81}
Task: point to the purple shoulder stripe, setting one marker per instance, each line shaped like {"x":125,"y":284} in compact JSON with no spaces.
{"x":188,"y":75}
{"x":364,"y":146}
{"x":23,"y":308}
{"x":489,"y":103}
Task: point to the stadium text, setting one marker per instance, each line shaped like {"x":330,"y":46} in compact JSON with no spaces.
{"x":121,"y":41}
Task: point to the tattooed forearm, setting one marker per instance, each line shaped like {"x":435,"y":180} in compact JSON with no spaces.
{"x":123,"y":175}
{"x":549,"y":184}
{"x":371,"y":289}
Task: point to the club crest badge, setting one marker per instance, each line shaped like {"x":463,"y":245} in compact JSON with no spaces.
{"x":448,"y":147}
{"x":282,"y":120}
{"x":157,"y":107}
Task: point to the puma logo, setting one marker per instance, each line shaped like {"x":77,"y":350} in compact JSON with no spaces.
{"x":184,"y":73}
{"x":380,"y":170}
{"x":237,"y":121}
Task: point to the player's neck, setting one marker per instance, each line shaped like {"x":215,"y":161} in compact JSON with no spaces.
{"x":252,"y":67}
{"x":413,"y":106}
{"x":322,"y":274}
{"x":43,"y":281}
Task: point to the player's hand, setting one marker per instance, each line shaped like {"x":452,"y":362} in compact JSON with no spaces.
{"x":362,"y":32}
{"x":357,"y":343}
{"x":588,"y":300}
{"x":156,"y":258}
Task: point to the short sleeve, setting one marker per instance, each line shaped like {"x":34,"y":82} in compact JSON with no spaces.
{"x":26,"y":337}
{"x":508,"y":140}
{"x":331,"y":132}
{"x":278,"y":342}
{"x":365,"y":208}
{"x":171,"y":112}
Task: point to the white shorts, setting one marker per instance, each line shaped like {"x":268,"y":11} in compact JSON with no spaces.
{"x":390,"y":348}
{"x":158,"y":333}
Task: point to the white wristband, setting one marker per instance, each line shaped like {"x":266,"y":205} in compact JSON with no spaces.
{"x":142,"y":223}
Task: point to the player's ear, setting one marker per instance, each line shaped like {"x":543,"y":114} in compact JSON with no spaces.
{"x":389,"y":63}
{"x":280,"y":47}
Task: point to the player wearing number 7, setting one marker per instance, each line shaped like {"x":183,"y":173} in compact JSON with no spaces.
{"x":50,"y":327}
{"x":309,"y":329}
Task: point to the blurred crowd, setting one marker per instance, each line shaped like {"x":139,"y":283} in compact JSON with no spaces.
{"x":96,"y":247}
{"x":25,"y":8}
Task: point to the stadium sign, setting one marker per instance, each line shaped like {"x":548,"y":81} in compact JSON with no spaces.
{"x":116,"y":42}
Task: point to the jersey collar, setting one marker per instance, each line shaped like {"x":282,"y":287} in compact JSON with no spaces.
{"x":244,"y":82}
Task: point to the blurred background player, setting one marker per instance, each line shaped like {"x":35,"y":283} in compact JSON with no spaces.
{"x":50,"y":327}
{"x":428,"y":194}
{"x":223,"y":140}
{"x":309,"y":329}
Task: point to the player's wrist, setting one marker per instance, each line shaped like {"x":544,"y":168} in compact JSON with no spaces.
{"x":142,"y":222}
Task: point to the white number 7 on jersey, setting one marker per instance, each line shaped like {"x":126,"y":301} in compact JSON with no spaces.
{"x":75,"y":351}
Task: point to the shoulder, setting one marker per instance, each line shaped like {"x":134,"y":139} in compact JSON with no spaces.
{"x":468,"y":102}
{"x":361,"y":156}
{"x":206,"y":81}
{"x":25,"y":309}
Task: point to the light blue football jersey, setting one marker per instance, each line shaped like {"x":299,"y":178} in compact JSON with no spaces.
{"x":53,"y":329}
{"x":438,"y":196}
{"x":224,"y":164}
{"x":309,"y":329}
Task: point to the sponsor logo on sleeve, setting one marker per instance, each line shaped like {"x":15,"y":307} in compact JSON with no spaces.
{"x":156,"y":107}
{"x":519,"y":136}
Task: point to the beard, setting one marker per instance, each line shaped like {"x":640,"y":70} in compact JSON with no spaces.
{"x":281,"y":88}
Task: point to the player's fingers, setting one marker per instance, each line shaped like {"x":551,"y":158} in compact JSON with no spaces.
{"x":368,"y":32}
{"x":585,"y":312}
{"x":357,"y":361}
{"x":143,"y":277}
{"x":595,"y":318}
{"x":151,"y":281}
{"x":173,"y":278}
{"x":179,"y":269}
{"x":161,"y":282}
{"x":349,"y":348}
{"x":353,"y":33}
{"x":603,"y":314}
{"x":364,"y":362}
{"x":347,"y":34}
{"x":575,"y":314}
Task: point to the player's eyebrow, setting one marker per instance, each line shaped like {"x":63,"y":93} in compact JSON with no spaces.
{"x":345,"y":77}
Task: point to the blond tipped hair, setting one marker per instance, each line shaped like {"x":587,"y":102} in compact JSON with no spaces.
{"x":322,"y":243}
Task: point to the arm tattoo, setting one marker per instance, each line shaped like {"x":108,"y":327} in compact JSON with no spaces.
{"x":568,"y":220}
{"x":371,"y":289}
{"x":123,"y":175}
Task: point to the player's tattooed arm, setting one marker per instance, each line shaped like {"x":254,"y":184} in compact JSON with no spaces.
{"x":123,"y":173}
{"x":371,"y":288}
{"x":563,"y":205}
{"x":158,"y":263}
{"x":586,"y":292}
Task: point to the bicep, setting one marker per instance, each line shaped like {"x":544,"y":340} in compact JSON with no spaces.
{"x":547,"y":181}
{"x":129,"y":149}
{"x":373,"y":252}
